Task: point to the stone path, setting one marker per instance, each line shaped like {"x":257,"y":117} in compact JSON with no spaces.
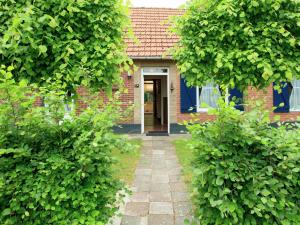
{"x":159,"y":194}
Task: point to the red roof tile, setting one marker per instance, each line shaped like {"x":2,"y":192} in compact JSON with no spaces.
{"x":150,"y":27}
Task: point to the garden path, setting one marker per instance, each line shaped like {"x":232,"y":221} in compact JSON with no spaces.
{"x":159,"y":194}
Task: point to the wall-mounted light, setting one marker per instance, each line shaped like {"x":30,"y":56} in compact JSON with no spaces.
{"x":172,"y":87}
{"x":129,"y":75}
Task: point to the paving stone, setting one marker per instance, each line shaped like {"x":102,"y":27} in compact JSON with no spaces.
{"x":179,"y":197}
{"x":147,"y":152}
{"x":161,"y":143}
{"x":143,"y":172}
{"x":161,"y":208}
{"x":175,"y":171}
{"x":131,"y":220}
{"x":182,"y":208}
{"x":142,"y":186}
{"x":147,"y":138}
{"x":155,"y":165}
{"x":173,"y":161}
{"x":144,"y":164}
{"x":162,"y":179}
{"x":140,"y":197}
{"x":159,"y":171}
{"x":158,"y":157}
{"x":160,"y":188}
{"x":174,"y":178}
{"x":160,"y":161}
{"x":178,"y":187}
{"x":159,"y":152}
{"x":181,"y":220}
{"x":172,"y":165}
{"x":146,"y":158}
{"x":161,"y":220}
{"x":142,"y":178}
{"x":160,"y":197}
{"x":148,"y":144}
{"x":146,"y":148}
{"x":137,"y":209}
{"x":170,"y":157}
{"x":161,"y":138}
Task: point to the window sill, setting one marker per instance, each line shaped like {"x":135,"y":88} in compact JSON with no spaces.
{"x":203,"y":110}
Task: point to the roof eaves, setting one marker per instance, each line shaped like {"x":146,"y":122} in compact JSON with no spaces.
{"x":151,"y":57}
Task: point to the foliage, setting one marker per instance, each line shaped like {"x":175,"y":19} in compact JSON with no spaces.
{"x":53,"y":169}
{"x":239,"y":42}
{"x":244,"y":170}
{"x":73,"y":42}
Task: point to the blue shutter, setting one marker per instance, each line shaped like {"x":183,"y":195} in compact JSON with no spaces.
{"x":283,"y":97}
{"x":237,"y":96}
{"x":188,"y":97}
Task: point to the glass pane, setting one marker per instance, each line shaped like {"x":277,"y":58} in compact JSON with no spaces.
{"x":155,"y":70}
{"x":209,"y":95}
{"x":295,"y":95}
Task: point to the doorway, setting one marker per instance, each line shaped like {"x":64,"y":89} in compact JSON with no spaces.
{"x":155,"y":110}
{"x":155,"y":105}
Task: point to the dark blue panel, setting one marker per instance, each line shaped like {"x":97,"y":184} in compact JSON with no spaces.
{"x":283,"y":97}
{"x":187,"y":97}
{"x":237,"y":96}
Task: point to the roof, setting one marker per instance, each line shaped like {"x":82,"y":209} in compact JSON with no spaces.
{"x":150,"y":27}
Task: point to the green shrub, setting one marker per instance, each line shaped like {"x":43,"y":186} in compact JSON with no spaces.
{"x":245,"y":171}
{"x":55,"y":170}
{"x":72,"y":41}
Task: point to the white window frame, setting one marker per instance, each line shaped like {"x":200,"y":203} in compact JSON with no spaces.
{"x":295,"y":109}
{"x":205,"y":110}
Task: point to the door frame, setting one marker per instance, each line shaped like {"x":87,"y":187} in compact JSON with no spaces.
{"x":143,"y":74}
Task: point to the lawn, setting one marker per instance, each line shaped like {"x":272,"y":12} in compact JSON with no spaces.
{"x":184,"y":154}
{"x":127,"y":162}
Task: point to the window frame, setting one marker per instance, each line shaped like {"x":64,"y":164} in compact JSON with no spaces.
{"x":292,"y":88}
{"x":205,"y":110}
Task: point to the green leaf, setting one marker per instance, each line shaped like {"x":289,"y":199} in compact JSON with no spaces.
{"x":42,"y":49}
{"x":265,"y":192}
{"x":6,"y":212}
{"x":289,"y":75}
{"x":220,"y":181}
{"x":264,"y":200}
{"x":53,"y":23}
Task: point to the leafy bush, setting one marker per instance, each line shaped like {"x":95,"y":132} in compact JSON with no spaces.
{"x":240,"y":42}
{"x":74,"y":42}
{"x":55,"y":170}
{"x":245,"y":171}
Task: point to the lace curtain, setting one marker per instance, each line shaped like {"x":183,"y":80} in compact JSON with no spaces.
{"x":210,"y":94}
{"x":295,"y":95}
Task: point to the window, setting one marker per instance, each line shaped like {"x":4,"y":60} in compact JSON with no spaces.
{"x":209,"y":95}
{"x":68,"y":106}
{"x":155,"y":71}
{"x":295,"y":96}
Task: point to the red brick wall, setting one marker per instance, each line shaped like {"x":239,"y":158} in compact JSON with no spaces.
{"x":126,"y":99}
{"x":267,"y":96}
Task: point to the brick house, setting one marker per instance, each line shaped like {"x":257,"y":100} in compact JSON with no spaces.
{"x":161,"y":98}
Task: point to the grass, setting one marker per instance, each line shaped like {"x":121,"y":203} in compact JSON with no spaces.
{"x":184,"y":154}
{"x":127,"y":162}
